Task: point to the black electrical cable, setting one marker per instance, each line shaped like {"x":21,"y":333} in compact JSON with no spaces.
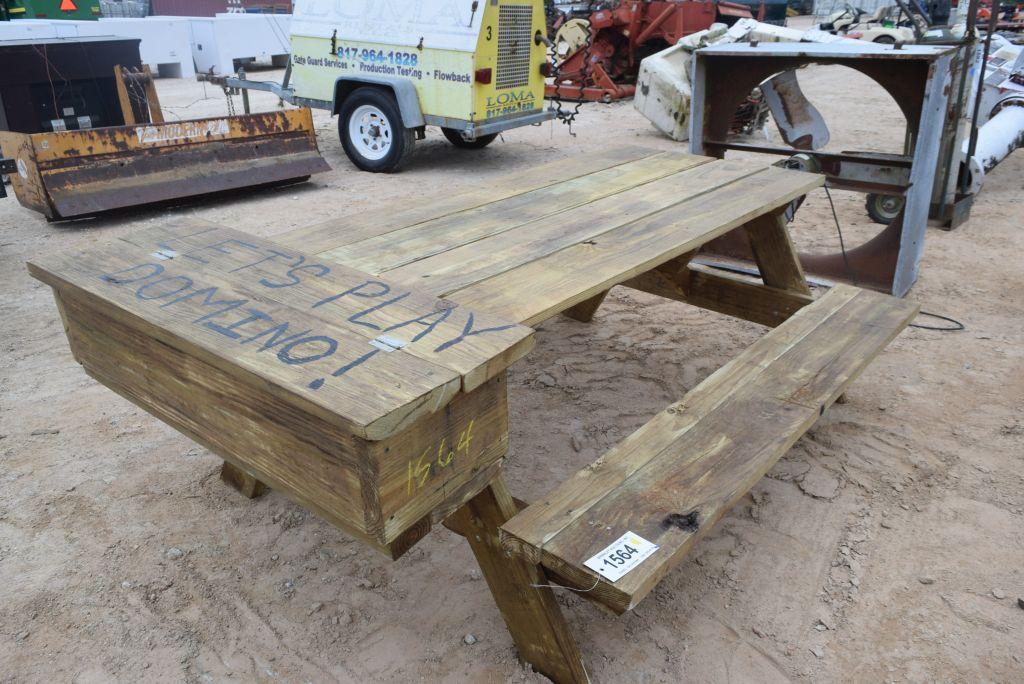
{"x":842,"y":244}
{"x":957,"y":325}
{"x":95,"y":82}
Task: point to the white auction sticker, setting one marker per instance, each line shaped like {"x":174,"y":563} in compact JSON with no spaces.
{"x":621,"y":556}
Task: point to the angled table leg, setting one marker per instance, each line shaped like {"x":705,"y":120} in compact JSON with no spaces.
{"x":585,"y":310}
{"x":774,"y":253}
{"x":777,"y":259}
{"x":247,"y":485}
{"x":533,"y":618}
{"x":731,"y":294}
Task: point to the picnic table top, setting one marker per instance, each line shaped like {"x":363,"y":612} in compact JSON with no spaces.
{"x":376,"y":320}
{"x":542,"y":240}
{"x":352,"y":348}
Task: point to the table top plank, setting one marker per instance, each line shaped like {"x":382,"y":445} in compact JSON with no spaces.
{"x":467,"y":264}
{"x":534,"y":291}
{"x":420,"y":324}
{"x":549,"y":203}
{"x":365,"y":354}
{"x":344,"y":230}
{"x":127,"y":288}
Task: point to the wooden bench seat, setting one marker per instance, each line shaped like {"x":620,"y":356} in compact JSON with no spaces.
{"x":672,"y":479}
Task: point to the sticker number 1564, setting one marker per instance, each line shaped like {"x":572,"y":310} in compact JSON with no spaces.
{"x":620,"y":556}
{"x":624,"y":554}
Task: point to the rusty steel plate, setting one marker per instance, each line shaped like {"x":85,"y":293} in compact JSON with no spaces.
{"x":88,"y":172}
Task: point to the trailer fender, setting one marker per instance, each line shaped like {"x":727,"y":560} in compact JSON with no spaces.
{"x":403,"y":89}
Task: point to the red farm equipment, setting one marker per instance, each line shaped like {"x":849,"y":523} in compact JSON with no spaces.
{"x":604,"y":66}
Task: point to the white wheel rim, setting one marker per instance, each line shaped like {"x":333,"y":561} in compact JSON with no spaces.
{"x":889,"y":205}
{"x":370,"y":132}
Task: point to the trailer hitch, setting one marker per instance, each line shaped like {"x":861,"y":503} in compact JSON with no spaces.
{"x":6,"y":166}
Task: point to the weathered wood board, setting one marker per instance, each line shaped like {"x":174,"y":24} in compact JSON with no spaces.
{"x":539,"y":287}
{"x":551,"y":204}
{"x":538,"y":250}
{"x":521,"y":590}
{"x":473,"y":261}
{"x":346,"y":230}
{"x":671,"y":480}
{"x":361,"y":351}
{"x":369,"y":403}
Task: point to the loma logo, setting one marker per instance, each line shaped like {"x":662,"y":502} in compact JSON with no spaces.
{"x":510,"y":98}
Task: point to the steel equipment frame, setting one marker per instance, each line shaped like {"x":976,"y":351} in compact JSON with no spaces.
{"x":919,"y":78}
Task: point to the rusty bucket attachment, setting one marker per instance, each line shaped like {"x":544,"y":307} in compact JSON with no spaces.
{"x":69,"y":174}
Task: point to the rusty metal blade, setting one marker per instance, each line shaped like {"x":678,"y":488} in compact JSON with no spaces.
{"x":92,"y":171}
{"x":800,"y":123}
{"x":200,"y":170}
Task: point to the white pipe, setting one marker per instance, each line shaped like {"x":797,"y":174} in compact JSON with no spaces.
{"x":997,"y":139}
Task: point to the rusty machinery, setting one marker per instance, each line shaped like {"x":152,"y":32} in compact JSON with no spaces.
{"x":108,"y":147}
{"x":603,"y":66}
{"x":55,"y":84}
{"x":925,"y":82}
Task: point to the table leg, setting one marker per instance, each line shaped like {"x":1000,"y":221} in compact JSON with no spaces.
{"x":774,"y":253}
{"x":245,"y":483}
{"x":728,"y":293}
{"x":533,"y":618}
{"x":776,"y":257}
{"x":585,"y":310}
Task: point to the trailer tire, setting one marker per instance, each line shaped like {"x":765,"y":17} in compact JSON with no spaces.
{"x":371,"y":131}
{"x":883,"y":208}
{"x":455,"y":138}
{"x":885,"y":40}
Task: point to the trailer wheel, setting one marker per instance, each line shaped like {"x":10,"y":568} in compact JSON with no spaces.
{"x":371,"y":131}
{"x":883,"y":208}
{"x":885,"y":40}
{"x":455,"y":138}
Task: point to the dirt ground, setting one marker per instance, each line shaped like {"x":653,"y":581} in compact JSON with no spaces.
{"x":887,"y":545}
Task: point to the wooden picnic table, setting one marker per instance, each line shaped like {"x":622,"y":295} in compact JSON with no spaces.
{"x":358,"y":366}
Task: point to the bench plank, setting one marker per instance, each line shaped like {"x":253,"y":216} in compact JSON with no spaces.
{"x":406,"y":245}
{"x":337,"y":232}
{"x":540,"y":289}
{"x":588,"y":486}
{"x":705,"y":452}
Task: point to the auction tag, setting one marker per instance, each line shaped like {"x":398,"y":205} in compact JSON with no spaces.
{"x":621,"y":556}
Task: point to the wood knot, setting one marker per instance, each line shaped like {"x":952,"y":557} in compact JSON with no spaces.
{"x":688,"y":522}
